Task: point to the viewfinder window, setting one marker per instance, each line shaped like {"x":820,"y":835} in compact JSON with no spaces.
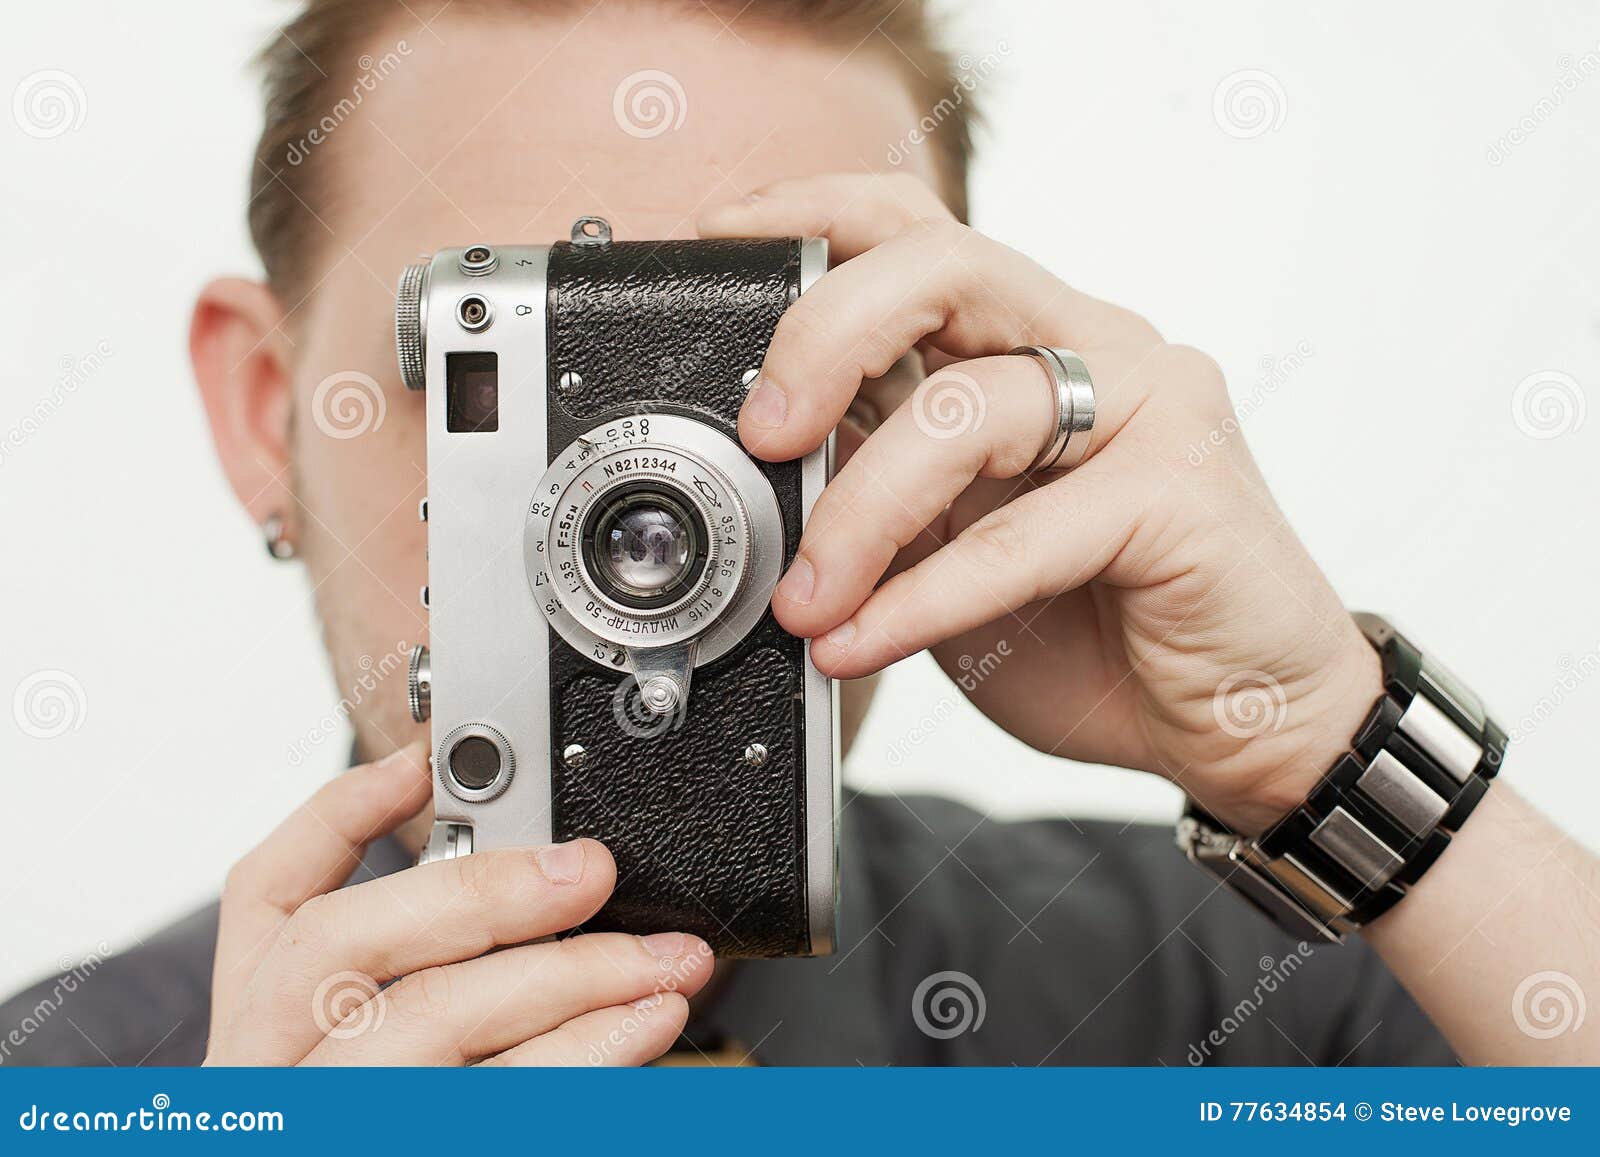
{"x":472,"y":392}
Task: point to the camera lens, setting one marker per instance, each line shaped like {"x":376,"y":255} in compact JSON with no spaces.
{"x":644,"y":546}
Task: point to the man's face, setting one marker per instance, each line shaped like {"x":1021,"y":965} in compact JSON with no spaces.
{"x":501,"y":128}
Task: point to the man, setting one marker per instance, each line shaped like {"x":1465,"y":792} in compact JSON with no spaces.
{"x":1128,"y":597}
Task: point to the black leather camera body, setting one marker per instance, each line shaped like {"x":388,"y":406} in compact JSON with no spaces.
{"x":602,"y":656}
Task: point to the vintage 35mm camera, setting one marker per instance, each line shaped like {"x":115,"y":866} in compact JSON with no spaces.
{"x":602,"y":657}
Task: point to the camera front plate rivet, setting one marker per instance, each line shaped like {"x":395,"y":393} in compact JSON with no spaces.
{"x":571,"y":380}
{"x":660,"y":694}
{"x":755,"y":754}
{"x":573,"y":755}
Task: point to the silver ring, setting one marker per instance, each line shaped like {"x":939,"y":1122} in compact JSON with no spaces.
{"x":1068,"y":442}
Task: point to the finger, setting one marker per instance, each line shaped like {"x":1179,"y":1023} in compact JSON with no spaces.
{"x":478,"y":1008}
{"x":937,"y":282}
{"x":311,"y":852}
{"x":854,"y":211}
{"x":1048,"y":541}
{"x":985,"y":418}
{"x":357,"y":938}
{"x":631,"y":1034}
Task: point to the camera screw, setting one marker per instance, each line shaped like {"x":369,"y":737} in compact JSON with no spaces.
{"x":473,"y":313}
{"x":660,"y":694}
{"x":748,"y":376}
{"x":573,"y":755}
{"x":478,"y":260}
{"x":755,"y":754}
{"x":570,"y":380}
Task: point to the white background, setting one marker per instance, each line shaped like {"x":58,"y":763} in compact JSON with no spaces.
{"x":1371,"y":225}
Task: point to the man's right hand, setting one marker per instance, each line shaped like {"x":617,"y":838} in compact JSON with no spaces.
{"x":300,"y":959}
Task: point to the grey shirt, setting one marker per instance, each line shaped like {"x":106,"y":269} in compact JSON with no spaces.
{"x":962,"y":940}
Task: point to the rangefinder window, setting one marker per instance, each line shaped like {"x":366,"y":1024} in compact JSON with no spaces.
{"x":472,"y":392}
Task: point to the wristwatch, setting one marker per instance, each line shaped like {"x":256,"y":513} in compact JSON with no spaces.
{"x":1422,"y":760}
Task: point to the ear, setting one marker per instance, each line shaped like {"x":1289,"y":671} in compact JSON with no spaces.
{"x":242,"y":364}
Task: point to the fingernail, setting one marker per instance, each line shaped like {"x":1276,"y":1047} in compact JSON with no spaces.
{"x":840,"y":637}
{"x":798,"y":584}
{"x":664,"y":944}
{"x":561,"y":863}
{"x":767,"y":405}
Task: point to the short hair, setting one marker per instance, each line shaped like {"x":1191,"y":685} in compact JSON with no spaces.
{"x":289,"y":188}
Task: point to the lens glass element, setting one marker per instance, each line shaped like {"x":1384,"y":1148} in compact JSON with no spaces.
{"x":644,"y":546}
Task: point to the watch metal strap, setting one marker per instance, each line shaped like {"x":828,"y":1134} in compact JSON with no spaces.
{"x":1382,"y":816}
